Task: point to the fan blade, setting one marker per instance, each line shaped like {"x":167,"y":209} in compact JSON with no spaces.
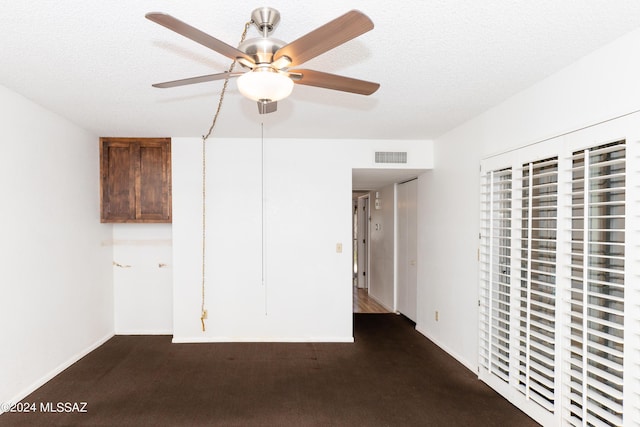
{"x":330,"y":35}
{"x":193,"y":80}
{"x":266,"y":107}
{"x":198,"y":36}
{"x":332,"y":81}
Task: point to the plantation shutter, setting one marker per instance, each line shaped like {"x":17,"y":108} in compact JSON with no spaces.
{"x":495,"y":274}
{"x":595,"y":347}
{"x":518,"y":247}
{"x":535,"y":322}
{"x":559,"y":280}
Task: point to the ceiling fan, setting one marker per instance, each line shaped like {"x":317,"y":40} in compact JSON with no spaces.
{"x":270,"y":77}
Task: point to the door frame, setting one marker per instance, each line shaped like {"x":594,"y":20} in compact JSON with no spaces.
{"x":362,"y":239}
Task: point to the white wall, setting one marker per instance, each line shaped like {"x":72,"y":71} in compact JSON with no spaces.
{"x":601,"y":86}
{"x":142,"y":279}
{"x":382,"y":247}
{"x":56,"y":285}
{"x":306,"y":295}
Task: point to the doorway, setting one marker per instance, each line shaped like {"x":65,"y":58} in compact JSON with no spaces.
{"x":361,"y":241}
{"x":362,"y":302}
{"x":378,"y":186}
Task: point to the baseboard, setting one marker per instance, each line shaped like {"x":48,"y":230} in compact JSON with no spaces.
{"x":451,"y":353}
{"x":46,"y":378}
{"x":146,"y":332}
{"x":185,"y":340}
{"x":391,"y":310}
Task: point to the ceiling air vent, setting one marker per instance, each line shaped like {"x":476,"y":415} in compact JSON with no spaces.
{"x":391,"y":157}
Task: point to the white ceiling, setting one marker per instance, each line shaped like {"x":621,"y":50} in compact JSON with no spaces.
{"x":439,"y":62}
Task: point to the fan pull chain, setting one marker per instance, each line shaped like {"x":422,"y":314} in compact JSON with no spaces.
{"x":203,"y":310}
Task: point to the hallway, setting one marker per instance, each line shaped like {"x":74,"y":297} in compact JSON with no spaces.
{"x":363,"y":303}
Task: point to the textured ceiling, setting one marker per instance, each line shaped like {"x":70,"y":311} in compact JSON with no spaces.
{"x":439,"y":62}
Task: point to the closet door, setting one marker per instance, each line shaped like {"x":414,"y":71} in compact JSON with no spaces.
{"x":518,"y":262}
{"x":536,"y":313}
{"x":495,"y":291}
{"x":407,"y":226}
{"x":596,"y":346}
{"x":603,"y":350}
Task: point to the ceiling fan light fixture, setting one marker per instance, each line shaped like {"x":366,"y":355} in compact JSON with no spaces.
{"x":265,"y":84}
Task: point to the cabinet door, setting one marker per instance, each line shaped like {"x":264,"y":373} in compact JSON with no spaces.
{"x":118,"y":197}
{"x":153,"y":188}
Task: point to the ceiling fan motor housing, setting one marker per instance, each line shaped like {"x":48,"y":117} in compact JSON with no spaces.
{"x":261,"y":49}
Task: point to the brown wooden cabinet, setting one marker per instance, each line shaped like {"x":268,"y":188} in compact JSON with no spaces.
{"x":135,"y":179}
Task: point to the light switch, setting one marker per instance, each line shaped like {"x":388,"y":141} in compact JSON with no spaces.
{"x":339,"y":248}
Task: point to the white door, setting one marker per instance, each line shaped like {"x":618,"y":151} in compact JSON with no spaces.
{"x":407,"y":249}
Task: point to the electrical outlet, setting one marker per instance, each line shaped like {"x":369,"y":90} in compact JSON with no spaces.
{"x":437,"y":316}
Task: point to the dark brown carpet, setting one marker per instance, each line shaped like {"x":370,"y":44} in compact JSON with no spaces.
{"x":391,"y":376}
